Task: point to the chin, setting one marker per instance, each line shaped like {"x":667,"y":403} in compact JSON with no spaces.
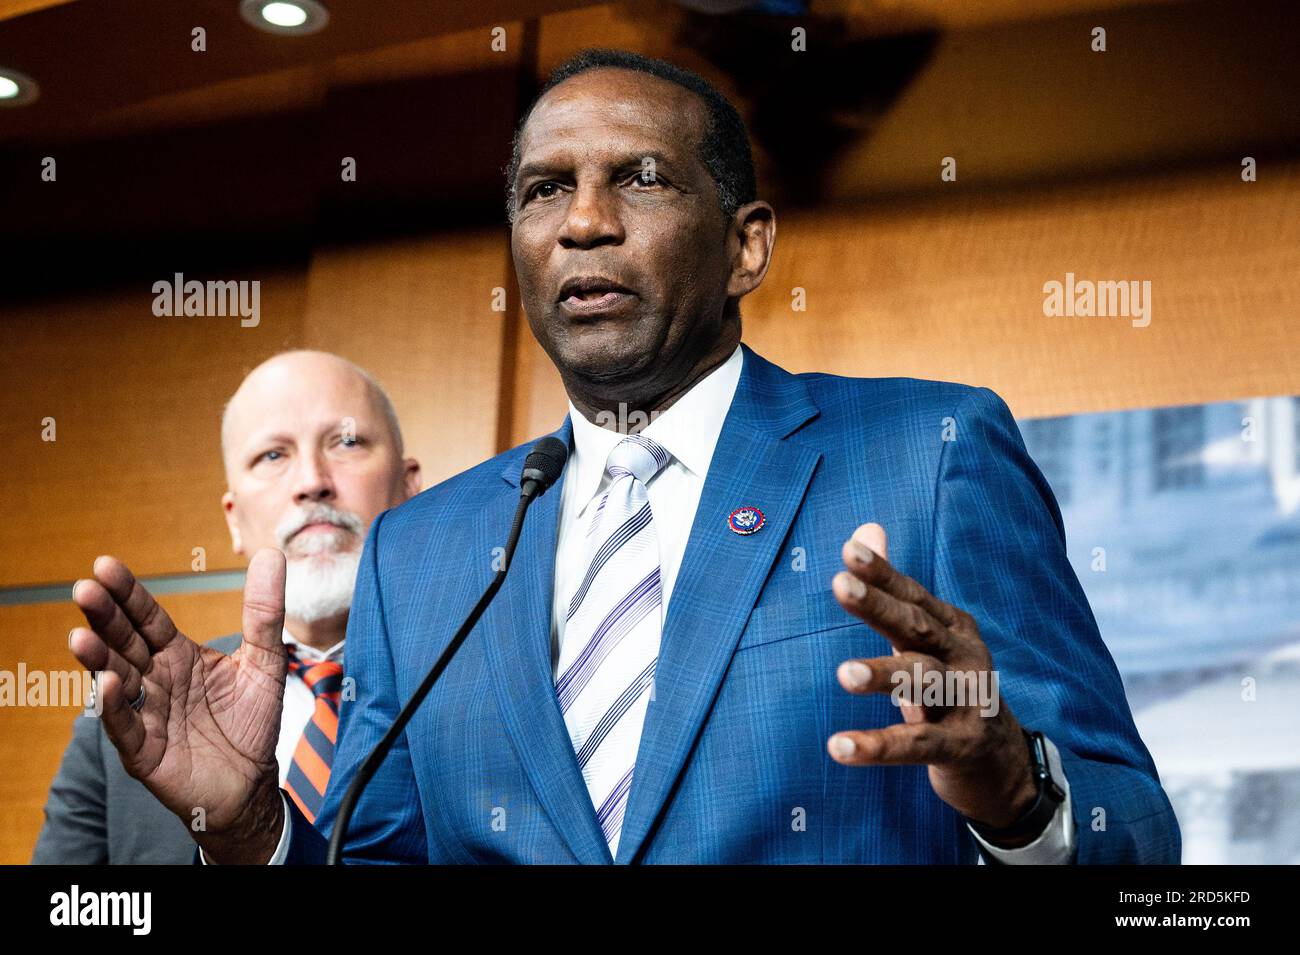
{"x":320,"y":586}
{"x":604,"y":352}
{"x":319,"y":546}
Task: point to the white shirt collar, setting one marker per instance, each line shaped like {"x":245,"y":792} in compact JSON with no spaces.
{"x":689,"y":430}
{"x":311,"y":654}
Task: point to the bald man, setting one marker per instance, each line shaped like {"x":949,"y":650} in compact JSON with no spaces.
{"x":313,"y":453}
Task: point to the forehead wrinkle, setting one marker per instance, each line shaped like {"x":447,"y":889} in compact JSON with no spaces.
{"x":572,"y":138}
{"x":620,"y":155}
{"x":572,"y":108}
{"x":292,"y":424}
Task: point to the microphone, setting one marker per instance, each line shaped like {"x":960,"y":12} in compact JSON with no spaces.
{"x":542,"y":468}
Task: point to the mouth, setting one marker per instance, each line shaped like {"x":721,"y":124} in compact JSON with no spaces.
{"x":316,"y":528}
{"x":593,"y":295}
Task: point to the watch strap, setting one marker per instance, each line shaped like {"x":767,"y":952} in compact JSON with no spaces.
{"x":1050,"y":796}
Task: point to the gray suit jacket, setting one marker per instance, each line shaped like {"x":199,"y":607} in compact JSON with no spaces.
{"x":96,"y":814}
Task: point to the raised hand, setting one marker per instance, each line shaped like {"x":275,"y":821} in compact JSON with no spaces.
{"x":979,"y":763}
{"x":197,"y":727}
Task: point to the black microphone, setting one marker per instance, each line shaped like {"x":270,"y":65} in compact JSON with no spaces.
{"x":542,"y":468}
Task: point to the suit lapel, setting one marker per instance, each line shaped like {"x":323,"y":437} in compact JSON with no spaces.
{"x":517,"y":631}
{"x":518,"y":637}
{"x":721,"y":575}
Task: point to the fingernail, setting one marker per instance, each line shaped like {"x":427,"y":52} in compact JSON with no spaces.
{"x":856,"y":674}
{"x":842,"y":746}
{"x":857,"y":589}
{"x":864,"y":553}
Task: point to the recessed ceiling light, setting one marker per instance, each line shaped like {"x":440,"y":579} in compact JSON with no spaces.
{"x":286,"y":17}
{"x":17,"y":89}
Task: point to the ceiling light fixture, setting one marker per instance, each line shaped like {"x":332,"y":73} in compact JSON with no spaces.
{"x":17,"y":89}
{"x":285,"y":17}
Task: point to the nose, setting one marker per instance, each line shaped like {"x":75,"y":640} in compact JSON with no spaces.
{"x":592,"y":219}
{"x":313,"y":481}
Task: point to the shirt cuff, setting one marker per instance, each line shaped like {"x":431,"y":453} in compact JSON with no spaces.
{"x":1055,"y":845}
{"x":282,"y":849}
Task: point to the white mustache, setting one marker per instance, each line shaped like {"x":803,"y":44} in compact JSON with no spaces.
{"x":318,"y":514}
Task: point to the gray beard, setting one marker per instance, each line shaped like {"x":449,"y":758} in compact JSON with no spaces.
{"x":320,"y":586}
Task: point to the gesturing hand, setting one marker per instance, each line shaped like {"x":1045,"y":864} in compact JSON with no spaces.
{"x":979,"y":763}
{"x":204,"y":734}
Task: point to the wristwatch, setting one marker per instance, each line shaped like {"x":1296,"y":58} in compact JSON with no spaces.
{"x":1038,"y":815}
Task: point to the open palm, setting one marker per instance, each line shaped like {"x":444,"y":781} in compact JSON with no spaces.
{"x":203,"y":739}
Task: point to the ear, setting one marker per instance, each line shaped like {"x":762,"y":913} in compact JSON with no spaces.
{"x":753,"y":233}
{"x":228,"y":507}
{"x":411,"y":479}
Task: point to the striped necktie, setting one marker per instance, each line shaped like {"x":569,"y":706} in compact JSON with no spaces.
{"x":611,"y":633}
{"x":310,"y":770}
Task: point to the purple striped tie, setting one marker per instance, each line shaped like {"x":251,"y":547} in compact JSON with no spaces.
{"x":611,"y":633}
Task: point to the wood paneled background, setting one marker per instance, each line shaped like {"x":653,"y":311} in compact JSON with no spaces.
{"x":1123,"y":165}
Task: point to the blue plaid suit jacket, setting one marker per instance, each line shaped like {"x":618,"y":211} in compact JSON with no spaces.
{"x":732,"y":766}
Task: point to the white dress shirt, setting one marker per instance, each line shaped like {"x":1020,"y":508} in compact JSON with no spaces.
{"x":689,"y":430}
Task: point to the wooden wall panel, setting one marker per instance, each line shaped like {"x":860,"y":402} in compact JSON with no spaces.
{"x":32,"y":739}
{"x":954,"y":290}
{"x":539,"y":401}
{"x":135,"y":469}
{"x":418,"y":314}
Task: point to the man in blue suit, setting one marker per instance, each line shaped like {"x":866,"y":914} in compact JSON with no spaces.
{"x":689,"y":662}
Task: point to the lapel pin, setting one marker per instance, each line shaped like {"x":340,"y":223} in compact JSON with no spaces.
{"x":745,"y":520}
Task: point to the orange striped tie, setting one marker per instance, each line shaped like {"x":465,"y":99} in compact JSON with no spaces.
{"x":310,"y":770}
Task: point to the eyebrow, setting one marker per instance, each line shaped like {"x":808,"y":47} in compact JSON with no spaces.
{"x":549,"y":166}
